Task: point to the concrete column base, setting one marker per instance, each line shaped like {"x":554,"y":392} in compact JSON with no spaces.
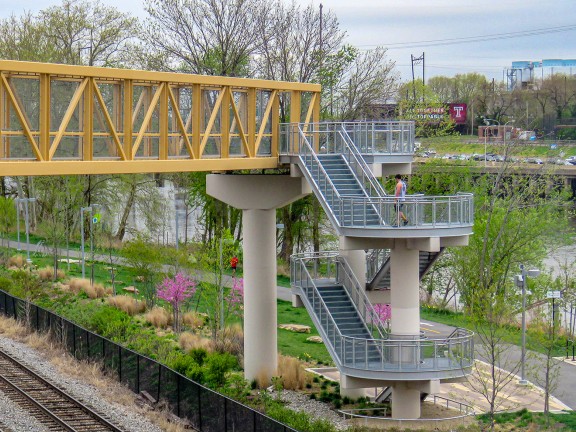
{"x":297,"y":301}
{"x":405,"y":402}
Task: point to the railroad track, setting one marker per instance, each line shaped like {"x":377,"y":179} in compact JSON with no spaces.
{"x":49,"y":405}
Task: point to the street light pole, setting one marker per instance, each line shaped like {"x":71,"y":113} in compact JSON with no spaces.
{"x":27,"y":225}
{"x":523,"y":358}
{"x":522,"y":279}
{"x":17,"y":201}
{"x":82,"y":210}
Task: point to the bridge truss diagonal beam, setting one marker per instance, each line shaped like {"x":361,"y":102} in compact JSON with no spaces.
{"x":63,"y":119}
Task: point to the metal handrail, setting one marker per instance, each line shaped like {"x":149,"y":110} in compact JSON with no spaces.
{"x":315,"y":162}
{"x":423,"y":212}
{"x":400,"y":355}
{"x":366,"y":136}
{"x":374,"y":260}
{"x":367,"y":176}
{"x":360,"y":299}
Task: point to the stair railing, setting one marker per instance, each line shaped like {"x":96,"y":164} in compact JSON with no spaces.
{"x":312,"y":163}
{"x":357,"y":295}
{"x":421,"y":354}
{"x":319,"y":312}
{"x":374,"y":261}
{"x":394,"y":137}
{"x":360,"y":167}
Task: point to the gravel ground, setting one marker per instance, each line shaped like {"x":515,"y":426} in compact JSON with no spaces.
{"x":128,"y":419}
{"x":315,"y":409}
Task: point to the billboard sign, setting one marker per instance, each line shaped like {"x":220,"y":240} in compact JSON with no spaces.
{"x":456,"y":111}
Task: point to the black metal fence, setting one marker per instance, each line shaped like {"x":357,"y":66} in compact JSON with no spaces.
{"x":205,"y":409}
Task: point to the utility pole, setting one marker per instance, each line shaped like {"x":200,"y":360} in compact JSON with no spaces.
{"x":416,"y":61}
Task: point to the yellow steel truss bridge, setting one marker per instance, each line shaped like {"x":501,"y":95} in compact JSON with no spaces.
{"x":62,"y":119}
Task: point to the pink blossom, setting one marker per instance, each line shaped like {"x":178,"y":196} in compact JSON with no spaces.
{"x":236,"y":296}
{"x":384,"y":311}
{"x":177,"y":289}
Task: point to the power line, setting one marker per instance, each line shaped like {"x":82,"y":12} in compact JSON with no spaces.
{"x":473,"y":39}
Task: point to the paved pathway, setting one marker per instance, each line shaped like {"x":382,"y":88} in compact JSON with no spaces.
{"x":518,"y":396}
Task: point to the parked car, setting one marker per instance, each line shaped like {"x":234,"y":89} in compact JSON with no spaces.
{"x":571,"y":160}
{"x":536,"y":161}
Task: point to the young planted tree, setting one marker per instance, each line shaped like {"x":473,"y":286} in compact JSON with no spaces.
{"x":214,"y":289}
{"x":7,"y":218}
{"x":544,"y":336}
{"x":176,"y":291}
{"x":145,"y":259}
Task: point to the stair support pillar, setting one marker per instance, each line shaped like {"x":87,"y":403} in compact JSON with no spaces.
{"x":258,"y":196}
{"x":405,"y":323}
{"x":357,"y":262}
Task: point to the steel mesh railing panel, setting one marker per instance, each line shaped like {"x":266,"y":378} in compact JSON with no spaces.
{"x":81,"y":343}
{"x":112,"y":358}
{"x":213,"y":407}
{"x":129,"y":369}
{"x":239,"y":418}
{"x":169,"y":388}
{"x":149,"y":377}
{"x":190,"y":401}
{"x":95,"y":346}
{"x":43,"y":320}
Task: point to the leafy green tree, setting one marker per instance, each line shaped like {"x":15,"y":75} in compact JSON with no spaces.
{"x":214,"y":291}
{"x":544,"y":336}
{"x":7,"y":218}
{"x":421,"y":105}
{"x":145,"y":259}
{"x":23,"y":38}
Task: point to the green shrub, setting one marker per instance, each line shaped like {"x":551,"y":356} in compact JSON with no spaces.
{"x":217,"y":366}
{"x":325,"y":396}
{"x":199,"y":355}
{"x":298,"y":420}
{"x":182,"y":363}
{"x":6,"y":284}
{"x":109,"y":322}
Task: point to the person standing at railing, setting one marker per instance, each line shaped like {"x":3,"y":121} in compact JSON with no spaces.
{"x":400,"y":197}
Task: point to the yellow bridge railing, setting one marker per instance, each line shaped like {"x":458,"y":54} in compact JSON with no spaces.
{"x":62,"y":119}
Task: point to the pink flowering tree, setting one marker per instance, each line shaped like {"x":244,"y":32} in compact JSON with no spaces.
{"x":384,"y":312}
{"x":236,"y":297}
{"x":176,"y":291}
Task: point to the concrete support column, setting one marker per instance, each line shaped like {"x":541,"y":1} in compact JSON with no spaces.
{"x":404,"y":290}
{"x":258,"y":196}
{"x":357,"y":261}
{"x":405,"y":323}
{"x":405,"y":401}
{"x":260,"y":311}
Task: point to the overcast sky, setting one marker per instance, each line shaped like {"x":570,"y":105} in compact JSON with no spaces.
{"x":396,"y":23}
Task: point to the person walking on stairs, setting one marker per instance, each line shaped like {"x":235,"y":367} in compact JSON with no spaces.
{"x":400,"y":197}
